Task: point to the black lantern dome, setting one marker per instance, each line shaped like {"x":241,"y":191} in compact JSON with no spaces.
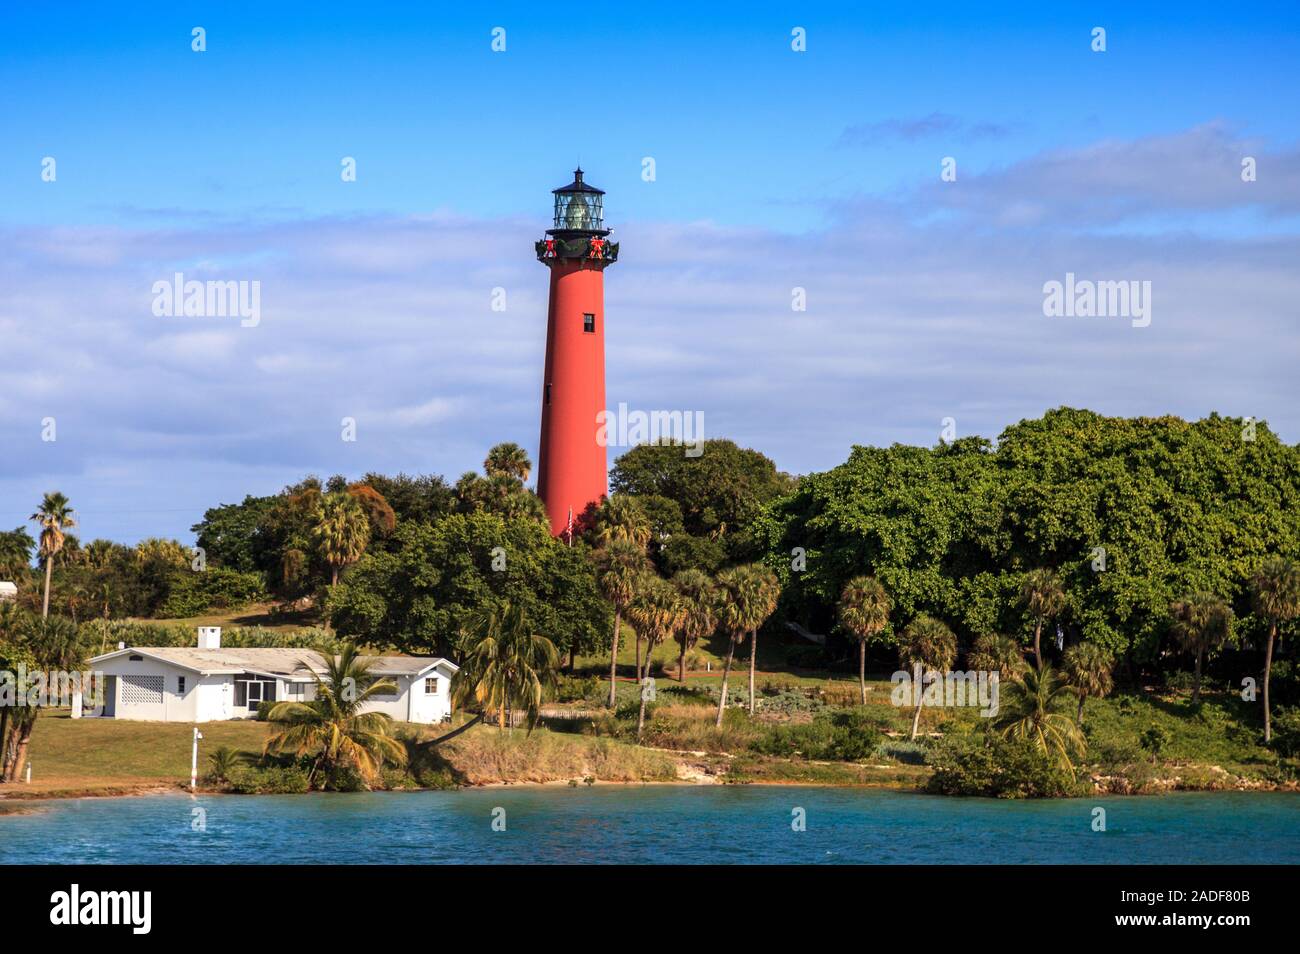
{"x":579,"y":208}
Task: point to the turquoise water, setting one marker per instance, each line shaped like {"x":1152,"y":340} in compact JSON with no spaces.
{"x":653,"y":824}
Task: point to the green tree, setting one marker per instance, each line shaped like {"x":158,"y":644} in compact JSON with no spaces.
{"x":658,"y":611}
{"x":46,"y":644}
{"x":621,"y":518}
{"x":508,"y":667}
{"x":620,"y":565}
{"x":228,"y":534}
{"x":931,"y":645}
{"x":416,"y":595}
{"x":700,"y":595}
{"x":54,"y":516}
{"x":15,"y":553}
{"x":332,"y":730}
{"x":747,"y":596}
{"x":1031,"y":712}
{"x":1088,"y":671}
{"x":341,"y":531}
{"x":421,"y":499}
{"x":1043,"y":596}
{"x":1275,"y":589}
{"x":996,"y":653}
{"x":864,"y":612}
{"x":1202,"y":623}
{"x":508,"y":460}
{"x":720,"y":491}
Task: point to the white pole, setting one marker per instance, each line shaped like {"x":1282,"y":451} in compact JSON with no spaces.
{"x":194,"y":760}
{"x":29,"y":772}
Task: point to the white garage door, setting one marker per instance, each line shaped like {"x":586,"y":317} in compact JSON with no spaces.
{"x":142,"y":690}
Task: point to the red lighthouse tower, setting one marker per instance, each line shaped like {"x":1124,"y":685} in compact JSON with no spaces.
{"x":571,"y":466}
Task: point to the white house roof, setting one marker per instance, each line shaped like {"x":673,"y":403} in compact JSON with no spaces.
{"x":8,"y":589}
{"x":284,"y":663}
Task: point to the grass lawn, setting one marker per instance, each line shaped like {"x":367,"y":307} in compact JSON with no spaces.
{"x":72,"y":757}
{"x":105,"y":756}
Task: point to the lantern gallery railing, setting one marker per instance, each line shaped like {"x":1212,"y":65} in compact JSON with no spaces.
{"x":596,"y":248}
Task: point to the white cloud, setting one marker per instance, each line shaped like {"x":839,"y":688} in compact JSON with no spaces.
{"x":910,"y":318}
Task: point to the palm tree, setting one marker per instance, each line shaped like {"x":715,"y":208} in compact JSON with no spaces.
{"x":332,"y":729}
{"x":995,"y":653}
{"x":1088,"y":671}
{"x":864,"y":612}
{"x":619,"y":564}
{"x":1031,"y":713}
{"x":508,"y":460}
{"x":931,"y":645}
{"x":1041,"y":592}
{"x":508,"y":667}
{"x":341,"y":530}
{"x":1276,"y":597}
{"x":700,"y":596}
{"x":54,"y":647}
{"x":53,"y":517}
{"x":222,"y":763}
{"x":747,"y":596}
{"x":1202,"y":623}
{"x":659,"y":612}
{"x":622,"y":518}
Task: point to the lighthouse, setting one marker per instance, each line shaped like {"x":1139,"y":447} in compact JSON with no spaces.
{"x":571,"y":465}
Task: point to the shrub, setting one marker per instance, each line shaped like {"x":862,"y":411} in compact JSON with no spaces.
{"x":1155,"y":739}
{"x":1286,"y":732}
{"x":222,"y":763}
{"x":843,"y":735}
{"x":271,"y":780}
{"x":579,"y":688}
{"x":192,"y":594}
{"x":909,"y":753}
{"x":394,"y":779}
{"x":995,"y":767}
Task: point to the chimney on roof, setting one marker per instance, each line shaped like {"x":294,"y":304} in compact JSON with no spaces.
{"x":209,"y":637}
{"x":121,"y":645}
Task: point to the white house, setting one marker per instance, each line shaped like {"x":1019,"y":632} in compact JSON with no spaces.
{"x":209,"y":683}
{"x":8,"y":591}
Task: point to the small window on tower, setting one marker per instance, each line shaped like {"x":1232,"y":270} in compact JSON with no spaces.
{"x":589,"y":324}
{"x":548,"y":392}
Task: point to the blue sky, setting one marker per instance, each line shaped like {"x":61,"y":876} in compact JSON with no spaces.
{"x":775,"y":170}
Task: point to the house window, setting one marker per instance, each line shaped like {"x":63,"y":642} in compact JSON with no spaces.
{"x":392,"y":691}
{"x":431,"y":686}
{"x":589,"y":323}
{"x":180,"y":685}
{"x":135,"y":658}
{"x":249,"y":693}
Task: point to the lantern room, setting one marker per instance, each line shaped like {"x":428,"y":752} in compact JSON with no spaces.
{"x":579,"y":207}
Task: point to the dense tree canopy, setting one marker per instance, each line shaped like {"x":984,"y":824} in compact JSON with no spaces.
{"x":1132,"y":514}
{"x":715,"y":496}
{"x":418,"y":597}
